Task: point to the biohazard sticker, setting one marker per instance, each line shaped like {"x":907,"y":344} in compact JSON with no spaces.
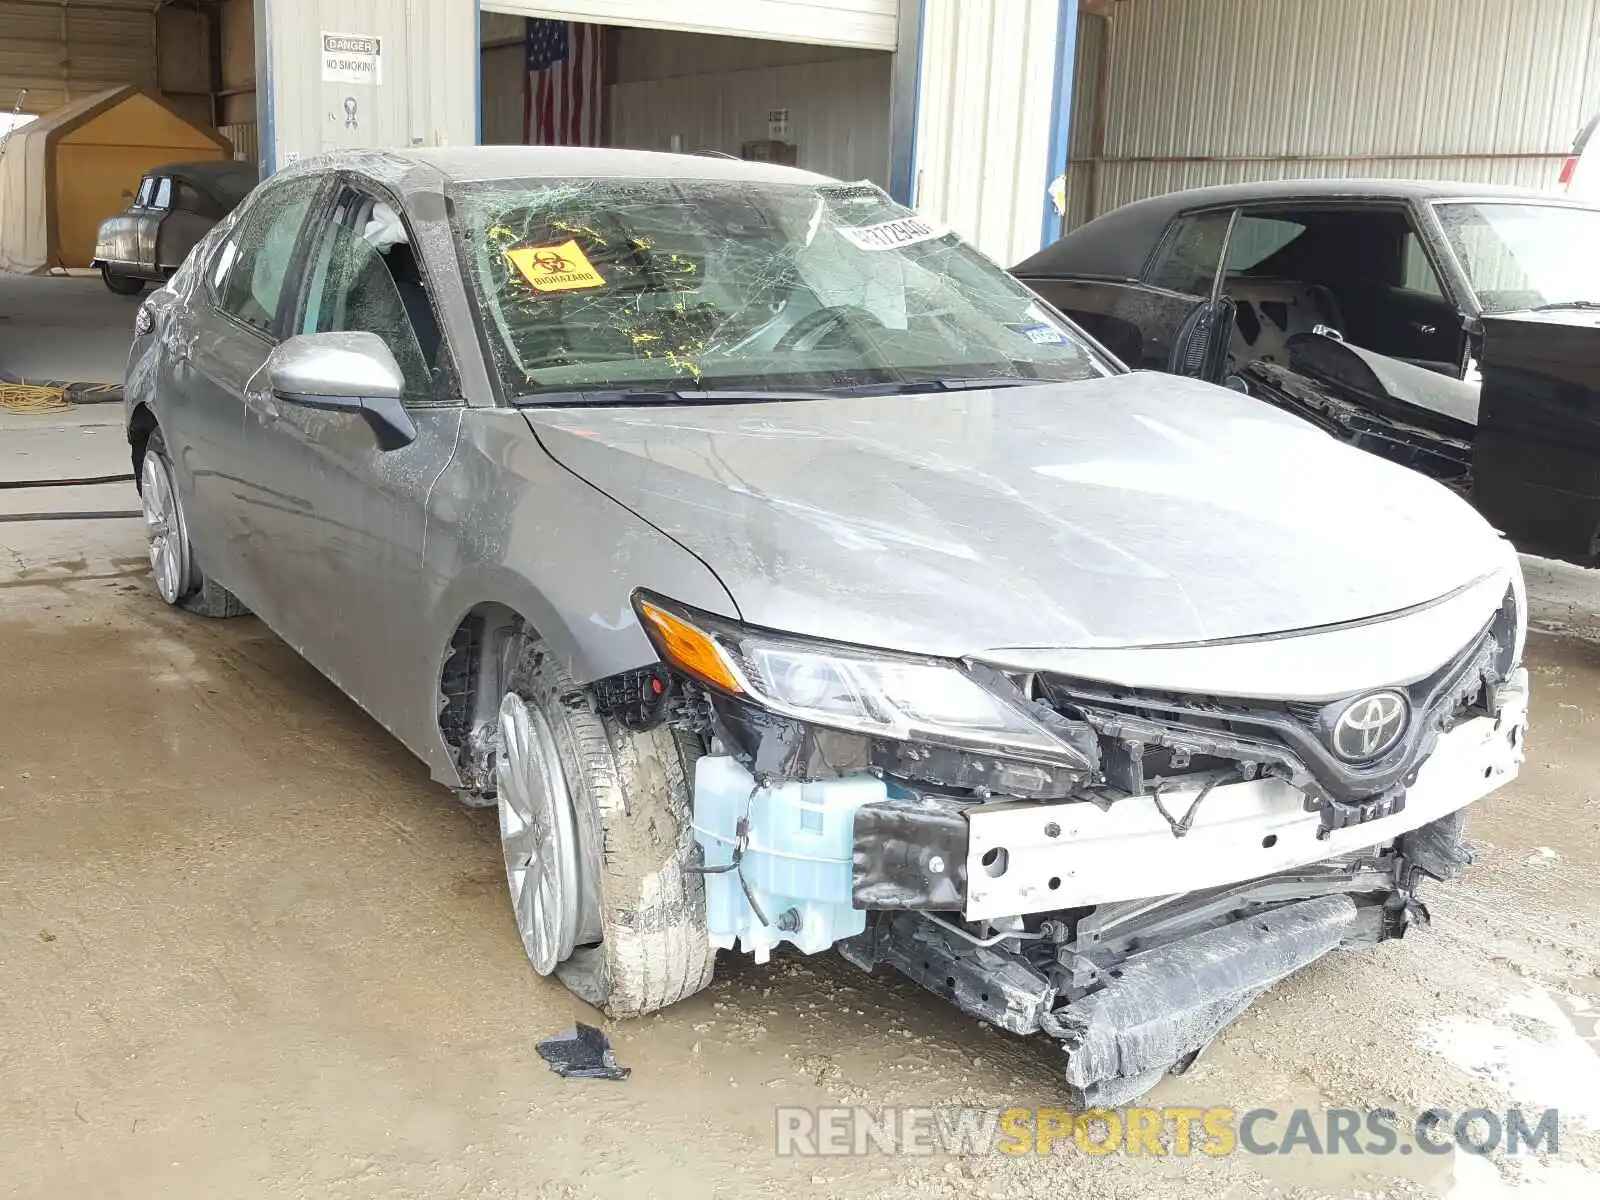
{"x":890,"y":235}
{"x":563,"y":268}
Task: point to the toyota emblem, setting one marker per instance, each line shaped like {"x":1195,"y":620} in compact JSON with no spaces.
{"x":1369,"y":726}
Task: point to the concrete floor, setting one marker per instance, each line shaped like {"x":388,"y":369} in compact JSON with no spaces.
{"x":247,"y":949}
{"x":64,"y":328}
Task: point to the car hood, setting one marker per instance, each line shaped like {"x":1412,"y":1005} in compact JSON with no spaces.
{"x":1133,"y":510}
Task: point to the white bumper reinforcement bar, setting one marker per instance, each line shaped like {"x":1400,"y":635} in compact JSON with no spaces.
{"x":1026,"y":858}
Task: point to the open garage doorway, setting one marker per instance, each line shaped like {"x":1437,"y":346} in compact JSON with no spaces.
{"x":821,"y":107}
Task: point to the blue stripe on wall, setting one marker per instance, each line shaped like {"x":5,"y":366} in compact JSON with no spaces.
{"x":1060,"y":113}
{"x":266,"y":121}
{"x":905,"y":90}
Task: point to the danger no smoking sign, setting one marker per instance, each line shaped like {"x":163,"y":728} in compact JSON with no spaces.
{"x":351,"y":58}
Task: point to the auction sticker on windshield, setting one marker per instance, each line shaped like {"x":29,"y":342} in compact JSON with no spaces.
{"x":888,"y":235}
{"x":563,"y":268}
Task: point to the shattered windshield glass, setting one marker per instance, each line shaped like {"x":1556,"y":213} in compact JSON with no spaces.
{"x":660,"y":285}
{"x":1526,"y":256}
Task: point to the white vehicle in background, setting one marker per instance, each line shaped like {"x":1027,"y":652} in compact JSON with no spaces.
{"x":1580,"y":174}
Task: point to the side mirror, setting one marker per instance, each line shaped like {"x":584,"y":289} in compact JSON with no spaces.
{"x":344,"y":372}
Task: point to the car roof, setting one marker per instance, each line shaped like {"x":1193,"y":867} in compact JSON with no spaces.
{"x":224,"y":179}
{"x":1117,"y":244}
{"x":479,"y":164}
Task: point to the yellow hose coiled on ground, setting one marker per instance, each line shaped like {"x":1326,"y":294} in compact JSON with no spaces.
{"x":31,"y":398}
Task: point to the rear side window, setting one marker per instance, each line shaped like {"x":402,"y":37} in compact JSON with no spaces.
{"x":1256,"y":239}
{"x":1187,"y":259}
{"x":188,"y":199}
{"x":256,"y":263}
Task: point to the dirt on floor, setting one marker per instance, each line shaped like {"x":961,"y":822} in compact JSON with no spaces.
{"x":248,"y":949}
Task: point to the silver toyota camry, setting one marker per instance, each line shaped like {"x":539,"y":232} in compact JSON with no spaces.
{"x":786,"y":573}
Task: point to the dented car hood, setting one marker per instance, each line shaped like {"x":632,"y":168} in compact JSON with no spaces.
{"x":1133,"y":510}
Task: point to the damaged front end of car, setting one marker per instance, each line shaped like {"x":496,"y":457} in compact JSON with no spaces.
{"x":1120,"y":868}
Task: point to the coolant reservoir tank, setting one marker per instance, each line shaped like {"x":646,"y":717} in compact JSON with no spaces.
{"x":797,"y":861}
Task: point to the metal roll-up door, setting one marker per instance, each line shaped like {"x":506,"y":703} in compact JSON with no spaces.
{"x":868,"y":24}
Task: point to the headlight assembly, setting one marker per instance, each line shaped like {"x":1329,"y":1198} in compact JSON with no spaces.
{"x":882,"y":694}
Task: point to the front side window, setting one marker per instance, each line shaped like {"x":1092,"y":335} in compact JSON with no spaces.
{"x":1526,"y":256}
{"x":147,"y":190}
{"x":251,"y":269}
{"x":1187,"y":259}
{"x":364,"y":277}
{"x":588,"y":285}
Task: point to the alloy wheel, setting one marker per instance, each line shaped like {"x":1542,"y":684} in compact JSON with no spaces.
{"x":164,"y":528}
{"x":538,"y":835}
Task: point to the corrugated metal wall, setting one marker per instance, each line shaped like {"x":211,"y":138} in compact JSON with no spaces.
{"x":1211,"y":91}
{"x":1088,"y":114}
{"x":63,"y":52}
{"x":714,"y":93}
{"x":246,"y":140}
{"x":984,"y":119}
{"x":429,"y":91}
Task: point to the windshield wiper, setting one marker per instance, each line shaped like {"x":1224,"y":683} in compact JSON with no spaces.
{"x":999,"y":381}
{"x":618,"y":397}
{"x":603,"y":397}
{"x":909,"y":387}
{"x":1555,"y":304}
{"x":724,"y":394}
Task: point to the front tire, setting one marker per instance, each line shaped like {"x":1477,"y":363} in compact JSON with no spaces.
{"x":594,"y":823}
{"x":122,"y":285}
{"x":178,"y":578}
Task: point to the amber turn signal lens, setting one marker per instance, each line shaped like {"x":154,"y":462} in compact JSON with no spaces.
{"x":689,"y":649}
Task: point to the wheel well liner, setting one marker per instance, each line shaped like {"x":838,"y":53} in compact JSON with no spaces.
{"x":474,"y":671}
{"x":141,"y":424}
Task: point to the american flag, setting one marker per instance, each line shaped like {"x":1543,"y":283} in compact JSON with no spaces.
{"x":564,"y":83}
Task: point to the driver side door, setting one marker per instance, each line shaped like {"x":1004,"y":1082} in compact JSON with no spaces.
{"x":343,"y":563}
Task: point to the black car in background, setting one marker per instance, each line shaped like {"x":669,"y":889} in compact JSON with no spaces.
{"x":175,"y":207}
{"x":1451,"y":327}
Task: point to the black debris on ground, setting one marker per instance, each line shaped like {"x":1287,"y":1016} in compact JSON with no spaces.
{"x":582,"y":1054}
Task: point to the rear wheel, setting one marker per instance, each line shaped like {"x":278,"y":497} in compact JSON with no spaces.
{"x":594,"y":825}
{"x":178,"y":578}
{"x":122,"y":285}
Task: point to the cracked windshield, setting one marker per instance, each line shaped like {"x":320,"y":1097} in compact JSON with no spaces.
{"x":672,"y":285}
{"x":1527,"y":256}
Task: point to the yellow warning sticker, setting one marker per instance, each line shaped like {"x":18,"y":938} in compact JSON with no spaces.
{"x":563,"y":268}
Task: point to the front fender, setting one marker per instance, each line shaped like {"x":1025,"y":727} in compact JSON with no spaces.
{"x":508,"y":525}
